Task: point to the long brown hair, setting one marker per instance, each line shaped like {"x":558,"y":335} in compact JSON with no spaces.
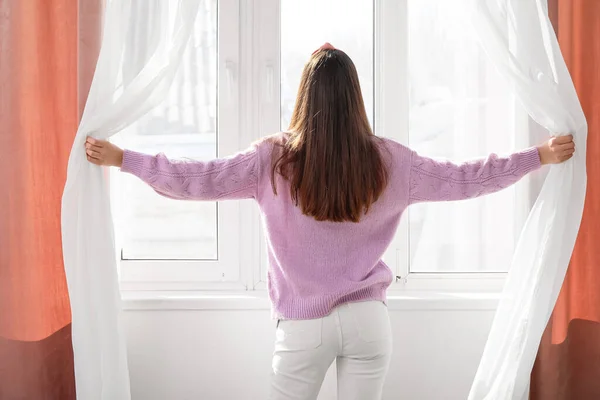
{"x":331,"y":158}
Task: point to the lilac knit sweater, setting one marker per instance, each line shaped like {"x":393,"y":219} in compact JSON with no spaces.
{"x":316,"y":266}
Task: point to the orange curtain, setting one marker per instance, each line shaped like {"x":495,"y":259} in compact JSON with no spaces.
{"x":568,"y":362}
{"x":46,"y":65}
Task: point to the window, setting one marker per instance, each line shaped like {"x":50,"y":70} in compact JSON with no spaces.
{"x":347,"y":24}
{"x":425,"y":81}
{"x":184,"y":125}
{"x":460,"y":108}
{"x":165,"y":243}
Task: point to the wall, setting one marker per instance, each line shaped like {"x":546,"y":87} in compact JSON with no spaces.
{"x":222,"y":352}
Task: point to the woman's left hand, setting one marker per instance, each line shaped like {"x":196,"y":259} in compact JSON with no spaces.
{"x":102,"y":152}
{"x":557,"y":150}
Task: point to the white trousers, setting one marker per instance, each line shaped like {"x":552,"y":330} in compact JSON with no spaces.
{"x":356,"y":335}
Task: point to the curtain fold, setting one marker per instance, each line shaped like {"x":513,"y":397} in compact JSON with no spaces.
{"x":518,"y":36}
{"x":568,"y":362}
{"x":42,"y":68}
{"x":121,"y":92}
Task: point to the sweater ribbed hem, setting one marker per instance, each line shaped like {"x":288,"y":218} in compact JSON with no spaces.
{"x":322,"y":306}
{"x":133,"y":162}
{"x":529,"y":160}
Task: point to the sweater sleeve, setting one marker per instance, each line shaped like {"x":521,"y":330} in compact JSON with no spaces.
{"x":432,"y":180}
{"x":230,"y":178}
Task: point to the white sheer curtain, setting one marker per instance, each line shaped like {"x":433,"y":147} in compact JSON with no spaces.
{"x":128,"y":82}
{"x":526,"y":51}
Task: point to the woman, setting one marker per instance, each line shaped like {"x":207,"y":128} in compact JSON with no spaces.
{"x":331,"y":195}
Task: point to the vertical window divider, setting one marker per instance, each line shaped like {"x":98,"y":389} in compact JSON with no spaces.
{"x":265,"y":106}
{"x":392,"y":104}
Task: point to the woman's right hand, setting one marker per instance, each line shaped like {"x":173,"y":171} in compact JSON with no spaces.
{"x":102,"y":152}
{"x":557,"y":150}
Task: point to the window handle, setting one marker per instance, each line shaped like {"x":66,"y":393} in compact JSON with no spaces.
{"x":229,"y":80}
{"x":269,"y":77}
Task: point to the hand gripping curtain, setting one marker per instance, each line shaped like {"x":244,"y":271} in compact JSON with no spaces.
{"x":142,"y":46}
{"x":518,"y":37}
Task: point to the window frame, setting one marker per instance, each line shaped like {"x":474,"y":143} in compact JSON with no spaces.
{"x":249,"y":65}
{"x":225,"y":271}
{"x":389,"y":57}
{"x":394,"y":15}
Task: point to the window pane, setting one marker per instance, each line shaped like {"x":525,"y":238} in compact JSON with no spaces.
{"x":460,"y":108}
{"x":183,"y":126}
{"x":306,"y":25}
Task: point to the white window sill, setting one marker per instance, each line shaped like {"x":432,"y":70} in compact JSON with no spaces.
{"x":210,"y":301}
